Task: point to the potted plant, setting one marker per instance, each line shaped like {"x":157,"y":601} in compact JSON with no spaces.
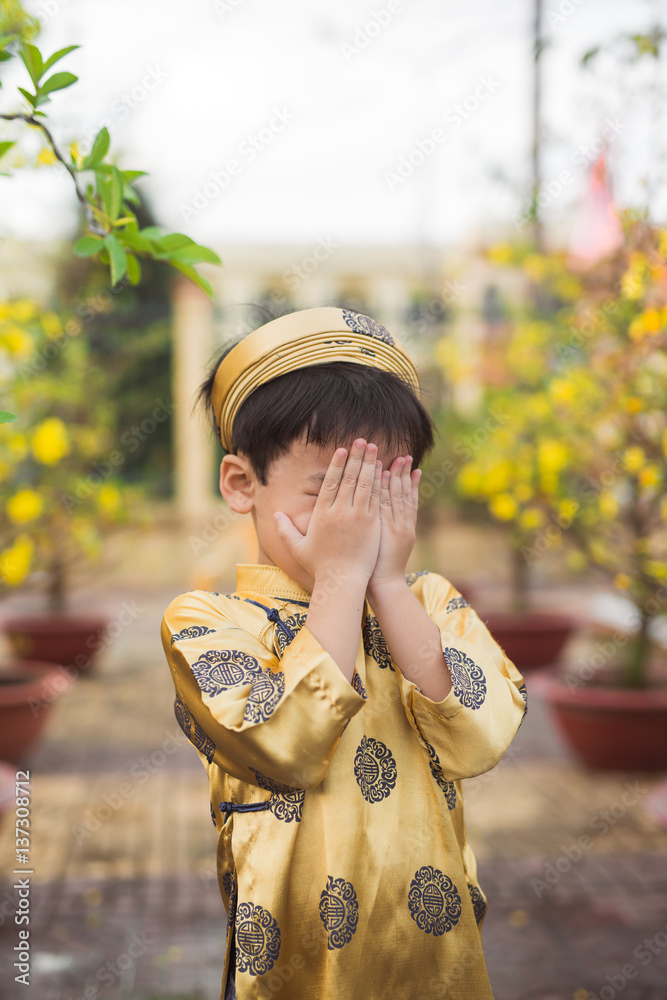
{"x":508,"y":460}
{"x":61,"y":488}
{"x":28,"y":689}
{"x":598,"y":412}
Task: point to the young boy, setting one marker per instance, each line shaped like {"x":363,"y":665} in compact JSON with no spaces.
{"x":335,"y":701}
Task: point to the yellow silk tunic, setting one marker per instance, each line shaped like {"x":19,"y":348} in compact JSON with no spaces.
{"x":346,"y":871}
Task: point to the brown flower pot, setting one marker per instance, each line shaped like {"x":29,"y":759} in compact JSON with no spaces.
{"x":610,"y":727}
{"x":530,"y":638}
{"x":28,"y":689}
{"x":71,"y":640}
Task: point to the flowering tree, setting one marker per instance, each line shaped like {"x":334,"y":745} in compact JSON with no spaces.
{"x":581,"y":457}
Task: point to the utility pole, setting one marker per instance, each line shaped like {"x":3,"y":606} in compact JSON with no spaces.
{"x":538,"y":43}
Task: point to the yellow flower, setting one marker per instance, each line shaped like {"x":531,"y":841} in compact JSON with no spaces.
{"x":652,"y":320}
{"x":632,"y":282}
{"x":551,"y":455}
{"x":51,"y":324}
{"x":22,"y":310}
{"x":576,"y":560}
{"x":503,"y":506}
{"x":501,"y":254}
{"x":49,"y":442}
{"x":561,"y":390}
{"x":633,"y":404}
{"x":622,"y":581}
{"x":537,"y":407}
{"x":18,"y":446}
{"x":523,"y":492}
{"x":17,"y":341}
{"x":47,"y":156}
{"x":655,"y":568}
{"x":567,"y":509}
{"x":497,"y":477}
{"x":25,"y":505}
{"x":636,"y":329}
{"x":469,"y":480}
{"x":549,"y":482}
{"x":531,"y":518}
{"x":634,"y":458}
{"x":108,"y":498}
{"x":649,"y":475}
{"x":15,"y":561}
{"x":608,"y":505}
{"x":535,"y":266}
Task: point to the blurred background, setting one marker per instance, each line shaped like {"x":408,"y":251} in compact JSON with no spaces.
{"x":488,"y":182}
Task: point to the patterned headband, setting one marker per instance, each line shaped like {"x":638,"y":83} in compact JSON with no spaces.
{"x":299,"y":340}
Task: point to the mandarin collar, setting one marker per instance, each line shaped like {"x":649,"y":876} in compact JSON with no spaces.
{"x":263,"y":578}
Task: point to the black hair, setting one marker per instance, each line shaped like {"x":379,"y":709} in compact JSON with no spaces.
{"x":333,"y":403}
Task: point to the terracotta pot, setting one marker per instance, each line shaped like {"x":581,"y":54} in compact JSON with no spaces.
{"x":530,"y":638}
{"x":610,"y":727}
{"x":71,"y":640}
{"x":28,"y":689}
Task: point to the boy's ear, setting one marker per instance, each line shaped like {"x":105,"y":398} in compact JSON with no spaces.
{"x":236,"y":484}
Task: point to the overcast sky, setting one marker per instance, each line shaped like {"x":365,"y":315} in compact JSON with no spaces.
{"x":383,"y":123}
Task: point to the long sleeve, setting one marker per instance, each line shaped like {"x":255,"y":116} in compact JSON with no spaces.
{"x":247,"y":709}
{"x":467,"y":732}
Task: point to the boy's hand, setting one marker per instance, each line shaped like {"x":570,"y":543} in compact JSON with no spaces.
{"x":344,"y":530}
{"x":399,"y":500}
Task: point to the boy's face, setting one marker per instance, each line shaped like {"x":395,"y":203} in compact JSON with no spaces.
{"x":293,"y":483}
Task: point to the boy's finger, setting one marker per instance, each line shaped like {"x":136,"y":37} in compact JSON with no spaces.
{"x":406,"y":481}
{"x":377,"y":487}
{"x":350,"y":477}
{"x":331,"y":481}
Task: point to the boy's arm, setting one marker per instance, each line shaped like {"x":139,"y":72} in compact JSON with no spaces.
{"x":245,"y":708}
{"x":472,"y":725}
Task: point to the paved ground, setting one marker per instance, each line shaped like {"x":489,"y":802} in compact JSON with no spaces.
{"x":124,"y":902}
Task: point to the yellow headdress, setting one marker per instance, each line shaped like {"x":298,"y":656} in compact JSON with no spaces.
{"x":299,"y":340}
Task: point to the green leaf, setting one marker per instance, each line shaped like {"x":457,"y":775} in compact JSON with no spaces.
{"x":131,"y":175}
{"x":32,"y":59}
{"x":58,"y":55}
{"x":190,"y":272}
{"x":117,"y":256}
{"x":153,"y":232}
{"x":136,"y":241}
{"x":99,"y":149}
{"x":87,"y":246}
{"x":130,"y":195}
{"x":29,"y":97}
{"x":6,"y":417}
{"x":173,"y":241}
{"x":195,"y":255}
{"x":58,"y":82}
{"x":103,"y":186}
{"x":116,"y":192}
{"x":4,"y":146}
{"x":133,"y":269}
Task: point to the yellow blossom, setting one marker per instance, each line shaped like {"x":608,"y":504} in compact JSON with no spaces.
{"x":49,"y":442}
{"x":561,"y":390}
{"x":51,"y":324}
{"x":567,"y":509}
{"x":503,"y":506}
{"x":656,"y":568}
{"x":549,"y":482}
{"x":652,"y":320}
{"x":535,"y":266}
{"x":17,"y":341}
{"x":523,"y":492}
{"x":633,"y":404}
{"x":551,"y":455}
{"x":22,"y":310}
{"x":650,"y":475}
{"x":18,"y":446}
{"x":108,"y":498}
{"x":15,"y":561}
{"x":622,"y":581}
{"x":501,"y":254}
{"x":47,"y":156}
{"x":531,"y":518}
{"x":469,"y":480}
{"x":608,"y":505}
{"x":25,"y":505}
{"x":497,"y":478}
{"x":634,"y":458}
{"x":576,"y":560}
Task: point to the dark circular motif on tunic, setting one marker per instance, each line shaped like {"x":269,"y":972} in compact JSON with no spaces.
{"x":183,"y":717}
{"x":257,"y":939}
{"x":191,"y":632}
{"x":364,"y":324}
{"x":358,"y":686}
{"x":286,"y":803}
{"x":448,"y":787}
{"x":468,"y":679}
{"x":375,"y":644}
{"x":433,"y":900}
{"x":411,"y":577}
{"x":203,"y":742}
{"x":455,"y":603}
{"x":478,"y":902}
{"x":219,"y":669}
{"x":339,"y":911}
{"x":267,"y":690}
{"x":374,"y":769}
{"x":295,"y":622}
